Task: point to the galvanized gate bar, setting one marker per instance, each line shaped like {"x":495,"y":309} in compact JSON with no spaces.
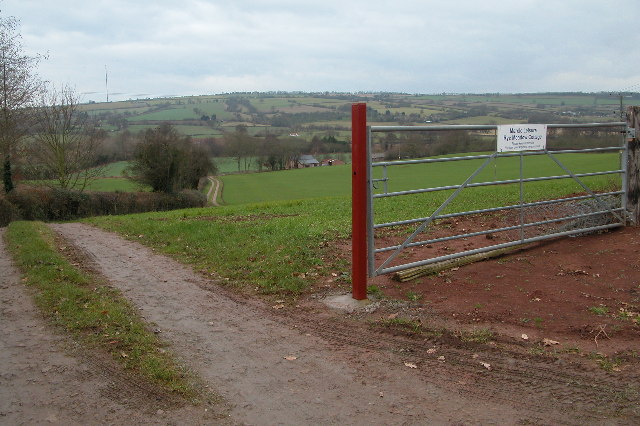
{"x":495,"y":182}
{"x":496,"y":230}
{"x":494,"y":209}
{"x":486,"y":127}
{"x":491,"y":248}
{"x":483,"y":156}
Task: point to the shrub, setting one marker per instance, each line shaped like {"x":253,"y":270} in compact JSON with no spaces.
{"x":8,"y":212}
{"x":46,"y":204}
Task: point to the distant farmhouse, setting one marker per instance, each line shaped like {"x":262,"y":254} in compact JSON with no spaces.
{"x":308,"y":161}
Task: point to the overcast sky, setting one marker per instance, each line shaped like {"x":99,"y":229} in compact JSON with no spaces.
{"x":154,"y":48}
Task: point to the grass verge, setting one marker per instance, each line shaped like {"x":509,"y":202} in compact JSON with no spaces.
{"x":95,"y":314}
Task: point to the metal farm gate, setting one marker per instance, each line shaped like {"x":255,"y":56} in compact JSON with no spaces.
{"x":521,"y":221}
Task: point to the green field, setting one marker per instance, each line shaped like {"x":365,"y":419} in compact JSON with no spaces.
{"x":230,"y":165}
{"x":116,"y":184}
{"x":335,"y":181}
{"x":112,"y":179}
{"x":194,"y":131}
{"x":114,"y":169}
{"x":287,"y":185}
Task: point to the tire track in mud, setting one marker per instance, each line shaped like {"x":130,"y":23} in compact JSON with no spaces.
{"x":558,"y":385}
{"x":240,"y":349}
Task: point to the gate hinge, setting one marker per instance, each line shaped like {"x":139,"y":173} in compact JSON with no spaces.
{"x":631,"y":133}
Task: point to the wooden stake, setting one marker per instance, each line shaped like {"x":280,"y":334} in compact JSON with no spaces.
{"x":420,"y":271}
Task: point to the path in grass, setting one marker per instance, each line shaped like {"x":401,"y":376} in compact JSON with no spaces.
{"x":214,"y":191}
{"x":45,"y":379}
{"x":270,"y":370}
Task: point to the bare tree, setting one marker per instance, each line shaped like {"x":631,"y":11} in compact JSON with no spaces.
{"x":242,"y":146}
{"x":19,"y":89}
{"x":65,"y":142}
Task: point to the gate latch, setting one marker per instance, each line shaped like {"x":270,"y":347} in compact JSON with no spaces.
{"x":631,"y":133}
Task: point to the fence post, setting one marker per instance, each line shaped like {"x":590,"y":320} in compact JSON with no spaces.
{"x":359,"y":201}
{"x":633,"y":164}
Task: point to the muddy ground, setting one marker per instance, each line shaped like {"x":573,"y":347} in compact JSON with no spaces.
{"x":583,"y":291}
{"x":301,"y":363}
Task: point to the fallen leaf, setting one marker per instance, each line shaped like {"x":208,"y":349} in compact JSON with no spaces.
{"x":278,"y":306}
{"x":381,"y":394}
{"x":441,"y":358}
{"x":474,"y":356}
{"x":124,"y":355}
{"x":290,"y":358}
{"x":432,"y":351}
{"x":486,"y":365}
{"x":410,"y":365}
{"x":525,"y":337}
{"x":549,"y":342}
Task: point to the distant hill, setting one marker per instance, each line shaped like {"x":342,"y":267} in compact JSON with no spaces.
{"x":309,"y":114}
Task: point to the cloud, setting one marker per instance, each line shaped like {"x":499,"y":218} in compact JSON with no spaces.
{"x":199,"y":46}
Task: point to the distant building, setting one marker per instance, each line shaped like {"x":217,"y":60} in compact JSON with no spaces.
{"x":308,"y":161}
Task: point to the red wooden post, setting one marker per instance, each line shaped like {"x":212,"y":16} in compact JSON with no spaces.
{"x":359,"y":200}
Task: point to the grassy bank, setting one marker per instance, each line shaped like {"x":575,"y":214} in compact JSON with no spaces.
{"x":95,"y":313}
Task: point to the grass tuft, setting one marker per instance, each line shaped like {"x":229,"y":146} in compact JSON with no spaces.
{"x":480,"y":335}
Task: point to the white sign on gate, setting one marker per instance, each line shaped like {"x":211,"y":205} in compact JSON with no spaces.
{"x":522,"y":137}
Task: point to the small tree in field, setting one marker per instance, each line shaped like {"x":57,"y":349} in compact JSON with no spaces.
{"x":168,"y":161}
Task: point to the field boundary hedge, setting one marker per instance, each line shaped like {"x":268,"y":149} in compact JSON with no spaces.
{"x":50,"y":204}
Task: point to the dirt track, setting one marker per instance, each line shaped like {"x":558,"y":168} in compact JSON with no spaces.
{"x":214,"y":191}
{"x":45,"y":379}
{"x":338,"y":371}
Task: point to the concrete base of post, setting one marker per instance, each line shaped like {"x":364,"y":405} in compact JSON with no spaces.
{"x":347,"y":303}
